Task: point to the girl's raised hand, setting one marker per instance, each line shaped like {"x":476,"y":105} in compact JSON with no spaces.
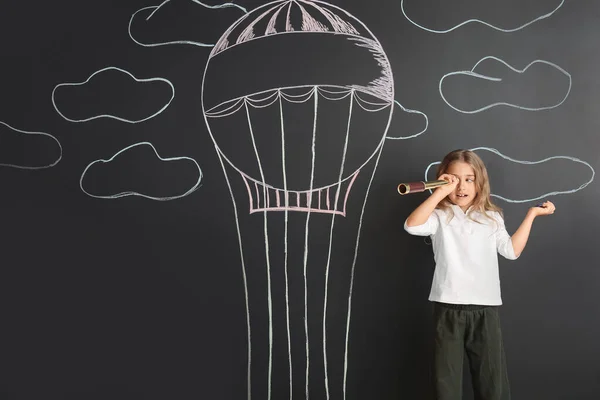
{"x":450,"y":187}
{"x":545,"y":208}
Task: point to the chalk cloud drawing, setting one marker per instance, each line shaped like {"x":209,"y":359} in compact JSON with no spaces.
{"x":523,"y":162}
{"x":473,"y":7}
{"x":91,"y":93}
{"x":28,"y":150}
{"x":194,"y":18}
{"x":103,"y":174}
{"x":409,"y":111}
{"x":335,"y":110}
{"x":477,"y":79}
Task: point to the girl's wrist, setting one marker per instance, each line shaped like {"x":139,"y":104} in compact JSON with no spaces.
{"x":438,"y":195}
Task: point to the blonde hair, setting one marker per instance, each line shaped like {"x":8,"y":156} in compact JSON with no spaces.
{"x":482,"y":201}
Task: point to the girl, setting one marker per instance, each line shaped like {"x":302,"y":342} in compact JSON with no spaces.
{"x":467,"y":231}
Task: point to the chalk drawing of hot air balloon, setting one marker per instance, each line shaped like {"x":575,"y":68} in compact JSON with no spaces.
{"x":298,"y":97}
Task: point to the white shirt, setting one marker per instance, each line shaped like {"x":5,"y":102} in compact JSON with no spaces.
{"x":465,"y":253}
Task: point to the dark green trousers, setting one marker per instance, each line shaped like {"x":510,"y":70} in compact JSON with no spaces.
{"x":473,"y":331}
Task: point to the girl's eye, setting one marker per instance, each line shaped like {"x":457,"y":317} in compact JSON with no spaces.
{"x":470,"y":180}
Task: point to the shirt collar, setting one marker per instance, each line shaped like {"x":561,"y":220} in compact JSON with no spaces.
{"x":459,"y":211}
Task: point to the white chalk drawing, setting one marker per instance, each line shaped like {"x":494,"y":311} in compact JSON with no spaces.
{"x":100,"y":162}
{"x":131,"y":121}
{"x":42,"y":136}
{"x":545,"y":195}
{"x":156,"y":9}
{"x":506,"y":30}
{"x":472,"y":73}
{"x":411,"y":112}
{"x":270,"y":188}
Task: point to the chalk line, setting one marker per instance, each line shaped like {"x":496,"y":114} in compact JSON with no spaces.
{"x":29,"y":167}
{"x":112,"y":116}
{"x":157,"y":8}
{"x":554,"y":193}
{"x":132,"y":193}
{"x":506,"y":30}
{"x":472,"y":73}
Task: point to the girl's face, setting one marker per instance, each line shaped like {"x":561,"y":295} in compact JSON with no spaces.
{"x":466,"y":190}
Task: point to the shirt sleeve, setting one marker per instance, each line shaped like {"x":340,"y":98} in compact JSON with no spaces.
{"x":503,"y":240}
{"x":430,"y":226}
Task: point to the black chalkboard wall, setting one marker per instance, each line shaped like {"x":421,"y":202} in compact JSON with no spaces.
{"x":199,"y":200}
